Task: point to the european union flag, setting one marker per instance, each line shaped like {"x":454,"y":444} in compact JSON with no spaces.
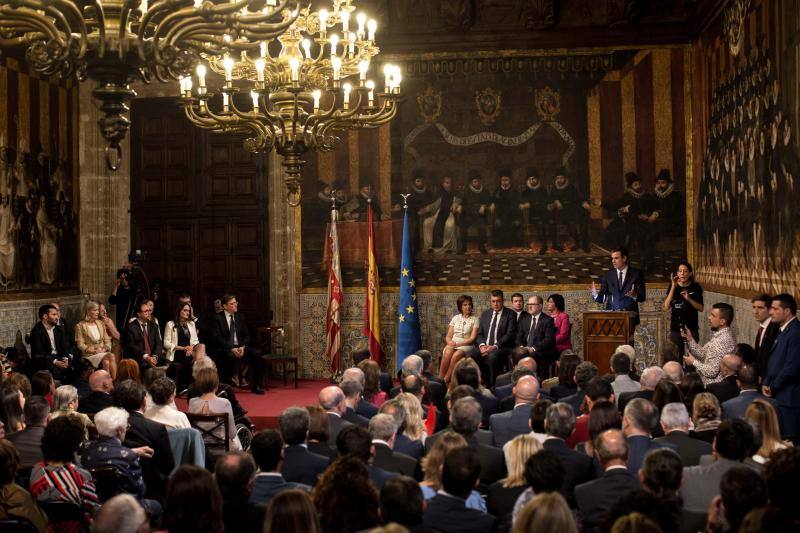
{"x":408,"y":332}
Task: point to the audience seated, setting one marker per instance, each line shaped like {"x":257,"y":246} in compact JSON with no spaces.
{"x":267,"y":450}
{"x":726,"y":389}
{"x":604,"y":415}
{"x":352,"y":390}
{"x":50,"y":345}
{"x":597,"y":390}
{"x":781,"y":474}
{"x":506,"y":426}
{"x":207,"y":382}
{"x":504,"y":393}
{"x":638,"y":422}
{"x":363,"y":408}
{"x":664,"y":393}
{"x":345,"y":498}
{"x":706,"y":414}
{"x":536,"y":420}
{"x":691,"y":385}
{"x":356,"y":441}
{"x":740,"y":491}
{"x":128,"y":369}
{"x":319,"y":433}
{"x":578,"y":467}
{"x":595,"y":498}
{"x":584,"y":372}
{"x":661,"y":476}
{"x":503,"y":494}
{"x":193,"y":502}
{"x":332,"y":399}
{"x":65,"y":402}
{"x":108,"y":451}
{"x":544,"y":472}
{"x":402,"y":503}
{"x":518,"y":354}
{"x":675,"y":423}
{"x":382,"y":429}
{"x":15,"y":501}
{"x":163,"y":409}
{"x":28,"y":442}
{"x":223,"y":389}
{"x":402,"y":443}
{"x":292,"y":510}
{"x":733,"y":444}
{"x":143,"y":343}
{"x":545,"y":512}
{"x":12,"y":404}
{"x":102,"y":385}
{"x":648,"y":381}
{"x":673,"y":371}
{"x":567,"y":364}
{"x":93,"y":341}
{"x":763,"y":416}
{"x":447,"y":511}
{"x":377,"y":384}
{"x":414,"y":427}
{"x":468,"y":373}
{"x":300,"y":465}
{"x":432,"y":469}
{"x":747,"y":384}
{"x":58,"y":479}
{"x":121,"y":514}
{"x":621,"y":367}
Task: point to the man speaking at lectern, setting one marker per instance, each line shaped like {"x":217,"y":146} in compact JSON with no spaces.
{"x":621,"y":287}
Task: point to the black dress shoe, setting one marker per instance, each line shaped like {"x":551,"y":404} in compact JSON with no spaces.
{"x":257,"y":390}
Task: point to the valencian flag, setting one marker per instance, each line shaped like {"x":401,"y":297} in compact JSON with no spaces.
{"x":335,"y":297}
{"x":408,"y":331}
{"x":372,"y":319}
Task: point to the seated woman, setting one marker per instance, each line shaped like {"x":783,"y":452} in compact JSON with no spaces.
{"x":432,"y":469}
{"x":372,"y":382}
{"x":207,"y":381}
{"x":319,"y":433}
{"x":12,"y":404}
{"x":413,"y":423}
{"x":108,"y":451}
{"x":706,"y":414}
{"x":763,"y":415}
{"x":162,"y":409}
{"x":181,"y":342}
{"x":93,"y":340}
{"x":113,"y":332}
{"x":503,"y":494}
{"x":555,"y":308}
{"x":565,"y":385}
{"x":65,"y":403}
{"x":223,"y":391}
{"x":460,"y":339}
{"x":455,"y":383}
{"x":57,"y":479}
{"x":128,"y":369}
{"x":43,"y":384}
{"x":16,"y":501}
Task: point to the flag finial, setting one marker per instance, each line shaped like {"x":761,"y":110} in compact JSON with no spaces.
{"x":405,"y":200}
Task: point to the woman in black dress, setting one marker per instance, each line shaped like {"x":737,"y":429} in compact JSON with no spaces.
{"x":684,"y":301}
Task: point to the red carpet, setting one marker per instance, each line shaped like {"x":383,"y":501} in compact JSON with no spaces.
{"x":265,"y":410}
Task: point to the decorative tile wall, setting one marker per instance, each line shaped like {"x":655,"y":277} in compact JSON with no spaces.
{"x":20,"y":316}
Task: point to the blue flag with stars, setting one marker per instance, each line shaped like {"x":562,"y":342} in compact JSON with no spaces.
{"x":408,"y":331}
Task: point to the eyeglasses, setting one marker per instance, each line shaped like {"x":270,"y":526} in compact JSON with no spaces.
{"x":531,"y":305}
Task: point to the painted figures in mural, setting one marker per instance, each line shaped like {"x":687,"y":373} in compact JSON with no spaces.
{"x":747,"y":199}
{"x":37,"y":226}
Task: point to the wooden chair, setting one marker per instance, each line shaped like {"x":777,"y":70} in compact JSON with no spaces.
{"x":207,"y":425}
{"x":106,"y":482}
{"x":271,"y":340}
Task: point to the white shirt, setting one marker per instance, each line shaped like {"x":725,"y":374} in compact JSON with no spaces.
{"x":50,"y":333}
{"x":766,"y":323}
{"x":167,"y":415}
{"x":783,"y":327}
{"x":624,"y":272}
{"x":496,"y":321}
{"x":228,"y":320}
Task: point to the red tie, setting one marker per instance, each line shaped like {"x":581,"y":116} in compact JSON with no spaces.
{"x":146,"y":341}
{"x":758,"y":336}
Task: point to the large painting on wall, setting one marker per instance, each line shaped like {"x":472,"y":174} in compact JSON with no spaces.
{"x":518,"y":170}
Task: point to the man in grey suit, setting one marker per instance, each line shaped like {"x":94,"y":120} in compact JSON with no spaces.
{"x":732,"y":445}
{"x":638,"y":422}
{"x":506,"y":426}
{"x":746,"y":380}
{"x":332,"y":399}
{"x":675,"y":423}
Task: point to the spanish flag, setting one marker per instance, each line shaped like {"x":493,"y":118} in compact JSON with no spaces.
{"x":372,"y":319}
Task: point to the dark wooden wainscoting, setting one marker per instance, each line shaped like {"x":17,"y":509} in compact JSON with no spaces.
{"x":198,"y":211}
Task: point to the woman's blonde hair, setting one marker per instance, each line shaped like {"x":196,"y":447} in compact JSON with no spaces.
{"x":545,"y":513}
{"x":517,"y":452}
{"x":415,"y":427}
{"x":433,"y":461}
{"x":705,"y":408}
{"x":89,"y":306}
{"x":763,"y":415}
{"x":634,"y":523}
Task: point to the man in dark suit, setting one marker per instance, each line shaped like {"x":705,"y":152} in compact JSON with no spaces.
{"x":584,"y":373}
{"x":536,"y":331}
{"x":231,"y":340}
{"x":518,"y":306}
{"x":578,"y":467}
{"x":142,"y":339}
{"x":102,"y":386}
{"x":518,"y":354}
{"x":417,"y":386}
{"x":782,"y":381}
{"x":504,"y":394}
{"x":481,"y":436}
{"x":363,"y":407}
{"x":352,"y":390}
{"x":332,"y":400}
{"x":622,"y":287}
{"x":638,"y":422}
{"x":267,"y":450}
{"x":468,"y":375}
{"x":131,"y":396}
{"x":235,"y":473}
{"x":675,"y":423}
{"x":50,"y":345}
{"x":357,"y":442}
{"x":726,"y":389}
{"x":767,"y":332}
{"x":661,"y":475}
{"x":383,"y":431}
{"x":447,"y":511}
{"x":402,"y":503}
{"x":506,"y":426}
{"x":299,"y":464}
{"x":648,"y":381}
{"x":495,"y":340}
{"x":595,"y":498}
{"x":748,"y":391}
{"x":28,"y":442}
{"x":402,"y":444}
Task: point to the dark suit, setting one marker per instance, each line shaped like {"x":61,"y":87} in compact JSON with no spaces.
{"x":625,"y":397}
{"x":351,"y":416}
{"x":489,"y":406}
{"x":325,"y":449}
{"x":223,"y":342}
{"x":506,"y":426}
{"x":386,"y":382}
{"x":155,"y":470}
{"x":764,"y":348}
{"x":134,"y":343}
{"x":542,"y":338}
{"x":366,"y":409}
{"x":450,"y":514}
{"x":503,"y":339}
{"x":578,"y":467}
{"x":783,"y":378}
{"x":503,"y":380}
{"x":638,"y":446}
{"x":95,"y":402}
{"x":379,"y":476}
{"x":392,"y":461}
{"x":338,"y":423}
{"x":595,"y":498}
{"x":411,"y":448}
{"x":613,"y":296}
{"x":302,"y":466}
{"x":28,"y":443}
{"x":267,"y":486}
{"x":736,"y":407}
{"x":42,"y":351}
{"x":575,"y":401}
{"x":501,"y":392}
{"x":688,"y":448}
{"x":724,"y":390}
{"x":482,"y":436}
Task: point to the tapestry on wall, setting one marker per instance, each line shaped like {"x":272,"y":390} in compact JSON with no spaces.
{"x":518,"y":171}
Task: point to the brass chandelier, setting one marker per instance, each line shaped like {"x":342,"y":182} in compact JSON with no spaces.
{"x":297,"y":93}
{"x":116,"y":42}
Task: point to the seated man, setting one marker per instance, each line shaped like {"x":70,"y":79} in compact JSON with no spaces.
{"x":143,"y":341}
{"x":231,"y":339}
{"x":50,"y":345}
{"x":299,"y":464}
{"x":267,"y":450}
{"x":102,"y":386}
{"x":28,"y":442}
{"x":383,"y":432}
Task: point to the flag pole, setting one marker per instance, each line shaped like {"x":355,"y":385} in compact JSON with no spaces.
{"x":335,"y":298}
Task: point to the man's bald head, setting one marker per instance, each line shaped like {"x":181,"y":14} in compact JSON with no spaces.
{"x":673,"y":372}
{"x":650,"y":377}
{"x":730,"y":364}
{"x":332,"y":399}
{"x":526,"y":389}
{"x":100,"y":380}
{"x":611,"y":447}
{"x":527,"y":362}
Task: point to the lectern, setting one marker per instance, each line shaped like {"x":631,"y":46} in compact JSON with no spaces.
{"x":603,"y":332}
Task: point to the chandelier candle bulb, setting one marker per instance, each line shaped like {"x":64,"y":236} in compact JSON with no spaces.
{"x":260,"y":64}
{"x":201,"y":77}
{"x":336,"y":63}
{"x":317,"y":95}
{"x":225,"y":102}
{"x":347,"y":88}
{"x":372,"y":26}
{"x":345,"y":16}
{"x":323,"y":21}
{"x":228,"y":64}
{"x":263,"y":48}
{"x":363,"y":66}
{"x":371,"y":95}
{"x":294,"y":66}
{"x":334,"y":40}
{"x":272,"y":3}
{"x":307,"y":48}
{"x":361,"y":18}
{"x":351,"y":43}
{"x":254,"y":96}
